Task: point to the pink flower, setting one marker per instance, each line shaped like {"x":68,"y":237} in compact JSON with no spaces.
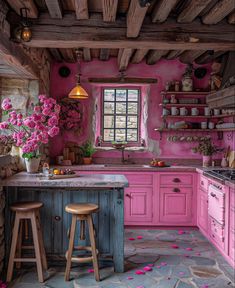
{"x":4,"y":125}
{"x":147,"y":269}
{"x":53,"y":131}
{"x":42,"y":98}
{"x":46,"y":111}
{"x":6,"y":104}
{"x":19,"y":116}
{"x":29,"y":122}
{"x":57,"y":109}
{"x":13,"y":115}
{"x":53,"y":121}
{"x":37,"y":109}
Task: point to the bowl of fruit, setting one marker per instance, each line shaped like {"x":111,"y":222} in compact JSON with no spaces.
{"x":158,"y":163}
{"x":62,"y":173}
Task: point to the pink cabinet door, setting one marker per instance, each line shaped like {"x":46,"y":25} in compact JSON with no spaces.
{"x":176,"y":205}
{"x":202,"y":210}
{"x":232,"y":225}
{"x":138,"y":204}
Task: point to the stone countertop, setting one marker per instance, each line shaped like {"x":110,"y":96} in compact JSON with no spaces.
{"x":23,"y":179}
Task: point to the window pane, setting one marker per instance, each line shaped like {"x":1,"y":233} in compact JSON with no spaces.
{"x":121,"y":95}
{"x":132,"y":108}
{"x":132,"y":135}
{"x":108,"y":108}
{"x":121,"y":122}
{"x":108,"y":121}
{"x":133,"y":95}
{"x":132,"y":122}
{"x":120,"y":135}
{"x":121,"y":108}
{"x":108,"y":134}
{"x":109,"y":95}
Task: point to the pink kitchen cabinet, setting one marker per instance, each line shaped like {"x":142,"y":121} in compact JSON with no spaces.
{"x":231,"y":238}
{"x":202,"y":211}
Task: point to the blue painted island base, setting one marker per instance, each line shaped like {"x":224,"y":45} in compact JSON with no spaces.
{"x":108,"y":222}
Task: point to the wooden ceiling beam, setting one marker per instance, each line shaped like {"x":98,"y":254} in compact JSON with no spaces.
{"x":162,"y":10}
{"x":95,"y":33}
{"x":55,"y":53}
{"x":218,"y":12}
{"x":188,"y":57}
{"x":209,"y":56}
{"x":68,"y":55}
{"x":16,"y":5}
{"x":231,"y":18}
{"x":55,"y":9}
{"x":109,"y":8}
{"x":81,"y":9}
{"x":124,"y":56}
{"x":135,"y":18}
{"x":104,"y":54}
{"x":139,"y":55}
{"x":154,"y":56}
{"x":86,"y":54}
{"x":192,"y":10}
{"x":174,"y":54}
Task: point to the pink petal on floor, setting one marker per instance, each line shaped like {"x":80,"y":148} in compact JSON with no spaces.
{"x":205,"y":286}
{"x":131,"y":239}
{"x":198,"y":254}
{"x":163,"y":264}
{"x":139,"y":272}
{"x":140,"y":287}
{"x":174,"y":246}
{"x":159,"y":267}
{"x":189,"y":249}
{"x":181,"y":273}
{"x":147,"y":268}
{"x":150,"y":265}
{"x":129,"y":278}
{"x":187,"y":256}
{"x":139,"y":237}
{"x":90,"y":270}
{"x":181,"y":232}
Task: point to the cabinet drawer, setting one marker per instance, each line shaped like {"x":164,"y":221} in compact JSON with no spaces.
{"x":217,"y":233}
{"x":139,"y":179}
{"x":173,"y":179}
{"x":203,"y":183}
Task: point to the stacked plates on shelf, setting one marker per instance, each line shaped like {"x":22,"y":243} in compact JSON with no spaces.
{"x":188,"y":101}
{"x":225,"y":125}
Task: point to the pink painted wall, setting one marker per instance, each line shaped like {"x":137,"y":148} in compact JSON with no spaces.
{"x":163,"y":71}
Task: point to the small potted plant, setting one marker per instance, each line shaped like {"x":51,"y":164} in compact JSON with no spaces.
{"x":207,"y":149}
{"x":87,"y":151}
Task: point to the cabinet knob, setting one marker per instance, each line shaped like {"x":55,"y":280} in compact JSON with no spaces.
{"x":176,"y":180}
{"x":57,"y":218}
{"x":127,"y":195}
{"x":176,"y":190}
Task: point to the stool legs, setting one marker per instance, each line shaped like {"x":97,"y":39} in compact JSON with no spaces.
{"x":93,"y":247}
{"x":19,"y":244}
{"x":71,"y":245}
{"x":41,"y":243}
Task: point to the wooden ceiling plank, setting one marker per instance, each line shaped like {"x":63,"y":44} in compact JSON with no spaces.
{"x":135,"y":18}
{"x":218,"y":12}
{"x":124,"y":56}
{"x":124,"y":80}
{"x":104,"y":54}
{"x":174,"y":54}
{"x":154,"y":56}
{"x":139,"y":55}
{"x":70,"y":33}
{"x":231,"y":18}
{"x":109,"y":8}
{"x":55,"y":53}
{"x":209,"y":56}
{"x":18,"y":4}
{"x":192,"y":10}
{"x":162,"y":10}
{"x":68,"y":55}
{"x":86,"y":54}
{"x":55,"y":9}
{"x":81,"y":9}
{"x":189,"y":56}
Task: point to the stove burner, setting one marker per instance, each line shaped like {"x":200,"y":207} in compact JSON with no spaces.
{"x":222,"y":174}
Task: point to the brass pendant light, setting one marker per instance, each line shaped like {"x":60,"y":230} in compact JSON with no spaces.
{"x":78,"y":92}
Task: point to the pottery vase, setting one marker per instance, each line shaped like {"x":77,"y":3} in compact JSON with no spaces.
{"x":206,"y":160}
{"x":224,"y":162}
{"x":87,"y":160}
{"x":32,"y":164}
{"x":187,"y":84}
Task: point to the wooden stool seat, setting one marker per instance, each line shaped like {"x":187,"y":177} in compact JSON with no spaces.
{"x":26,"y":206}
{"x":27,"y":211}
{"x":83,"y":213}
{"x":81,"y":209}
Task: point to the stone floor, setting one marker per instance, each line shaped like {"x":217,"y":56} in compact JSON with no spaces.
{"x":154,"y":258}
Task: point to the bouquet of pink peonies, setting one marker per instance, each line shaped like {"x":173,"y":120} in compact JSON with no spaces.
{"x":30,"y":131}
{"x":70,"y":115}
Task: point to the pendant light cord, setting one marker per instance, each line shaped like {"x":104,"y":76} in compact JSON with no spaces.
{"x":79,"y":56}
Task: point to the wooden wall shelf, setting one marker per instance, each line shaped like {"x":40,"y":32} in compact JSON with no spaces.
{"x":169,"y":105}
{"x":198,"y":116}
{"x":198,"y":93}
{"x":193,"y":130}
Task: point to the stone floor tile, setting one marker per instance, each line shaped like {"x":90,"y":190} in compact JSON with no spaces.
{"x":182,"y":284}
{"x":213,"y":283}
{"x":205,"y":272}
{"x":167,"y":283}
{"x":181,"y":271}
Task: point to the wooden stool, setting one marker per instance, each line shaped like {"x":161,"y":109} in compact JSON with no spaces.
{"x":27,"y":211}
{"x":82,"y":213}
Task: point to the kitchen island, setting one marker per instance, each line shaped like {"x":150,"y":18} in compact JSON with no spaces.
{"x":105,"y":190}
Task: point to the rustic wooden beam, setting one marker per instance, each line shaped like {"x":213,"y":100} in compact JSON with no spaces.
{"x":192,"y":10}
{"x":81,"y":9}
{"x":124,"y":56}
{"x":68,"y":55}
{"x":189,"y":56}
{"x":86,"y":54}
{"x":18,"y":4}
{"x":95,"y":33}
{"x":174,"y":54}
{"x":231,"y":18}
{"x":4,"y":25}
{"x":209,"y":56}
{"x":154,"y":56}
{"x":162,"y":10}
{"x":125,"y":80}
{"x":104,"y":54}
{"x":109,"y":8}
{"x":139,"y":55}
{"x":54,"y":8}
{"x":135,"y":18}
{"x":55,"y":53}
{"x":218,"y":12}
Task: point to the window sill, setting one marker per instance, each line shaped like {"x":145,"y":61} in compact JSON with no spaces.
{"x":130,"y":149}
